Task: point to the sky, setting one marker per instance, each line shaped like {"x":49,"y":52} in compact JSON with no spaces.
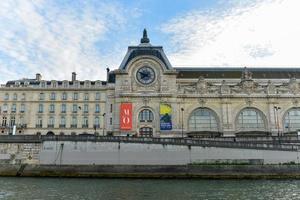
{"x":57,"y":37}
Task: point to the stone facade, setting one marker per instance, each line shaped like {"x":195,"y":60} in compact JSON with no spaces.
{"x":203,"y":101}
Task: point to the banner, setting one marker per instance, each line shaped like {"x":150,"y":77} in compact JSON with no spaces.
{"x":165,"y":113}
{"x":126,"y":116}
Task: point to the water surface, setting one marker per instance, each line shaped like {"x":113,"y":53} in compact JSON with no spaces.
{"x":141,"y":189}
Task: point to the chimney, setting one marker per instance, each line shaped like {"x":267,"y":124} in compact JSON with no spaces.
{"x":73,"y":76}
{"x":38,"y":77}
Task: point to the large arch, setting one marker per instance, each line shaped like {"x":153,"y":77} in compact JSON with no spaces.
{"x":203,"y":119}
{"x":251,"y":119}
{"x":291,"y":120}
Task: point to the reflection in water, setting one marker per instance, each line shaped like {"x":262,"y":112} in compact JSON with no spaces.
{"x":140,"y":189}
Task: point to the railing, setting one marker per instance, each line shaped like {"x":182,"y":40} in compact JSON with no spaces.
{"x":163,"y":141}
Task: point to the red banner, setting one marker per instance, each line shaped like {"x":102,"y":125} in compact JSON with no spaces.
{"x":126,"y":116}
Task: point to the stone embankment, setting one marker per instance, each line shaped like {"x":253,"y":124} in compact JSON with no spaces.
{"x":91,"y":156}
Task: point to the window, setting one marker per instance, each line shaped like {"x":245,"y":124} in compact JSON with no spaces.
{"x":203,"y":119}
{"x":52,"y":108}
{"x":6,"y":96}
{"x":15,"y":96}
{"x":86,"y":108}
{"x":97,"y":108}
{"x":22,"y":122}
{"x":76,"y":84}
{"x":110,"y":121}
{"x":64,"y":96}
{"x":292,"y":120}
{"x":75,"y":107}
{"x":41,"y":108}
{"x":75,"y":96}
{"x":5,"y":108}
{"x":86,"y":96}
{"x":22,"y":108}
{"x":12,"y":121}
{"x":65,"y":84}
{"x":111,"y":108}
{"x":23,"y":97}
{"x":42,"y":96}
{"x":39,"y":123}
{"x":62,"y":122}
{"x":51,"y":122}
{"x":74,"y":122}
{"x":63,"y":108}
{"x":54,"y":84}
{"x":4,"y":121}
{"x":97,"y":122}
{"x":14,"y":108}
{"x":146,"y":115}
{"x":52,"y":96}
{"x":146,"y":132}
{"x":43,"y":84}
{"x":85,"y":122}
{"x":98,"y":96}
{"x":87,"y":84}
{"x":250,"y":119}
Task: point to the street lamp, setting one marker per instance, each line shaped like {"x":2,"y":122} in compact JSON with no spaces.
{"x":182,"y":109}
{"x":95,"y":128}
{"x":103,"y":123}
{"x":276,"y":108}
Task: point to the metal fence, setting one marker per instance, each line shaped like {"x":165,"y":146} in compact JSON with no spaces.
{"x":270,"y":144}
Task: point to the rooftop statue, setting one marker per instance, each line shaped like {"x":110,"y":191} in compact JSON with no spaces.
{"x":145,"y":38}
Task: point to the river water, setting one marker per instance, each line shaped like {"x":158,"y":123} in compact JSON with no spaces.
{"x":143,"y":189}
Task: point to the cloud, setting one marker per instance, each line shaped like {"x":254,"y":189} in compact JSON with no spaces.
{"x":238,"y":33}
{"x":56,"y":38}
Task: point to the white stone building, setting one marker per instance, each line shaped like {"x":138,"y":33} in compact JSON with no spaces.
{"x":146,"y":96}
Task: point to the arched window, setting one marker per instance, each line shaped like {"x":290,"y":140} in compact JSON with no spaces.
{"x":250,"y":119}
{"x":292,"y":120}
{"x":203,"y":119}
{"x":146,"y":115}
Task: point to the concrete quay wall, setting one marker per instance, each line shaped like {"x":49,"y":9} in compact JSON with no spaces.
{"x":115,"y":153}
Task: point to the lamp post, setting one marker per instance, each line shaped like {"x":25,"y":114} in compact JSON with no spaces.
{"x":276,"y":108}
{"x":182,"y":109}
{"x":95,"y":128}
{"x":103,"y":123}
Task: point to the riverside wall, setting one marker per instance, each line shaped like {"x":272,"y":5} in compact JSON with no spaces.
{"x":136,"y":160}
{"x":115,"y":153}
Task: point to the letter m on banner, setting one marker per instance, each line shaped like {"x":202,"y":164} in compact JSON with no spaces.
{"x":126,"y":116}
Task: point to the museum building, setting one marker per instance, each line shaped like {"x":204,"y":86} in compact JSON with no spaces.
{"x":148,"y":97}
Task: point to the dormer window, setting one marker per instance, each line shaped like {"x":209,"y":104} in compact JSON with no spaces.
{"x":43,"y":84}
{"x":54,"y":84}
{"x":76,"y":84}
{"x":87,"y":84}
{"x":65,"y":84}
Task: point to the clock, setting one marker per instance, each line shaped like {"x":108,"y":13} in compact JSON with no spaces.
{"x":145,"y":75}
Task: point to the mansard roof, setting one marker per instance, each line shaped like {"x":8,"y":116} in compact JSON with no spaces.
{"x":145,"y":49}
{"x":235,"y":72}
{"x":33,"y":82}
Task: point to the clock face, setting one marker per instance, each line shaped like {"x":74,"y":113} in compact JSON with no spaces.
{"x":145,"y":75}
